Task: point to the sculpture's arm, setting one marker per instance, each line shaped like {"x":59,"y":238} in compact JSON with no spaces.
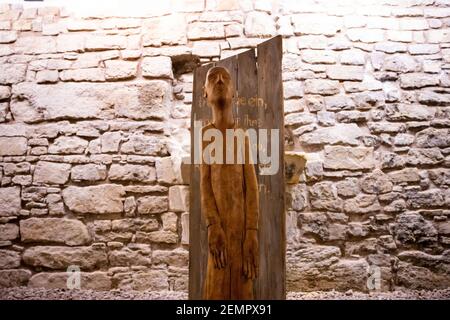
{"x":216,"y":235}
{"x":251,"y":191}
{"x":251,"y":247}
{"x":208,"y":202}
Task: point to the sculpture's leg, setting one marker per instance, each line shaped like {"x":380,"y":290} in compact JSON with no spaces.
{"x":217,"y":282}
{"x":244,"y":291}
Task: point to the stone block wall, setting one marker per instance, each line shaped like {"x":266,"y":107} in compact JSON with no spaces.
{"x":95,"y":120}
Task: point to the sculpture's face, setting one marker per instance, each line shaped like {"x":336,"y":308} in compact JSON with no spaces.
{"x":218,"y":88}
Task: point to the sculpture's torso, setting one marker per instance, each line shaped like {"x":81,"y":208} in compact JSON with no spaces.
{"x":228,"y":187}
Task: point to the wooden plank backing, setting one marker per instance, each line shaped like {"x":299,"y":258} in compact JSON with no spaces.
{"x":272,"y":234}
{"x":197,"y":230}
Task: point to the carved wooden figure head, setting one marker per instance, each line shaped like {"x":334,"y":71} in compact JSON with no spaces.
{"x":218,"y":88}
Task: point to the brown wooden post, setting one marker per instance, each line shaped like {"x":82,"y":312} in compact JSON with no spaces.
{"x":255,"y":78}
{"x":272,"y":278}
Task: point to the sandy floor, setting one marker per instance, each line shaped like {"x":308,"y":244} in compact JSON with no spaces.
{"x":21,"y":293}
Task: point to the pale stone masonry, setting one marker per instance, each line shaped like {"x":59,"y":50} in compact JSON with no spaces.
{"x":95,"y":120}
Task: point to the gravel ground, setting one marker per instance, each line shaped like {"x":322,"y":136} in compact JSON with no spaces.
{"x":443,"y":294}
{"x":24,"y":293}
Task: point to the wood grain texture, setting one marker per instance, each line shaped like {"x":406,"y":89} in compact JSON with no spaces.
{"x":272,"y":234}
{"x":197,"y":229}
{"x":255,"y":78}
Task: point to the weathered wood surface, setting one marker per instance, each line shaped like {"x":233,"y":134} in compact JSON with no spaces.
{"x":272,"y":234}
{"x":255,"y":78}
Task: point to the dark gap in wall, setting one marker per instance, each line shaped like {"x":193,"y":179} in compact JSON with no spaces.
{"x":184,"y":63}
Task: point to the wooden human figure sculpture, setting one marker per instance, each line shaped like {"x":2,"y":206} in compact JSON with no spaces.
{"x":229,"y":201}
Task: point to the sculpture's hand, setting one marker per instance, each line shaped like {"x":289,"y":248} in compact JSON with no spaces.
{"x":251,"y":252}
{"x":217,"y":245}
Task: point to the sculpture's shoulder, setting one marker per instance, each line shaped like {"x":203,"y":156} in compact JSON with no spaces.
{"x":204,"y":129}
{"x":207,"y":127}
